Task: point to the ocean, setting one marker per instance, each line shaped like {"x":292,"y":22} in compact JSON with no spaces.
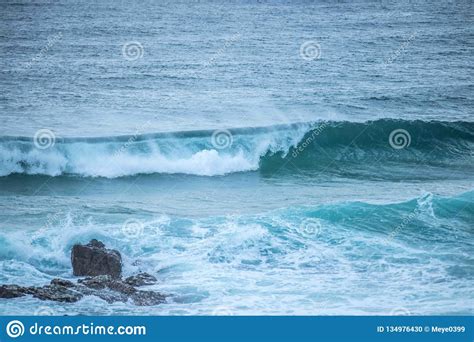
{"x":258,"y":158}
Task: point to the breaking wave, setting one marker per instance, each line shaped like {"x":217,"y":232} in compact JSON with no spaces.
{"x":210,"y":153}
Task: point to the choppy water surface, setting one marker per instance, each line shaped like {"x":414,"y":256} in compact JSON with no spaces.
{"x":275,"y":158}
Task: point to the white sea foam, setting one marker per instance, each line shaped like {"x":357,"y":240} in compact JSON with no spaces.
{"x":260,"y":264}
{"x":184,"y":155}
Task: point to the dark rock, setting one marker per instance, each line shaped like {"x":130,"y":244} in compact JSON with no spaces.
{"x":104,"y":287}
{"x":30,"y":290}
{"x":62,"y":282}
{"x":96,"y":243}
{"x":111,"y":297}
{"x":141,"y":279}
{"x":11,"y":291}
{"x":145,"y":298}
{"x":121,"y":287}
{"x":103,"y":293}
{"x":97,"y":282}
{"x":86,"y":291}
{"x":94,"y":259}
{"x":107,"y":282}
{"x":57,"y":293}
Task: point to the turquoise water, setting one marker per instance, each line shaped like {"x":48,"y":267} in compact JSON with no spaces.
{"x":247,"y":177}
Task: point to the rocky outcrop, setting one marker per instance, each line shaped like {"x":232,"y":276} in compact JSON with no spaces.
{"x":141,"y":279}
{"x":105,"y":287}
{"x":12,"y":291}
{"x":53,"y":292}
{"x":94,"y":259}
{"x":91,"y":259}
{"x":56,"y":293}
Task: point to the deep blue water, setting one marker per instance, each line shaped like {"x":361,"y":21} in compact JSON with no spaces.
{"x":258,"y":158}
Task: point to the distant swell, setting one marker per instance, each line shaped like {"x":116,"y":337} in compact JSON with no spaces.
{"x":309,"y":146}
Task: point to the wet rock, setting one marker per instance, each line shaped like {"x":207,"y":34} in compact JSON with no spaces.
{"x":53,"y":292}
{"x":121,"y":287}
{"x":141,"y":279}
{"x":11,"y":291}
{"x":86,"y":291}
{"x":29,"y":290}
{"x":101,"y":291}
{"x":94,"y":259}
{"x":96,"y":283}
{"x":107,"y":282}
{"x":146,"y":298}
{"x":104,"y":287}
{"x":62,"y":282}
{"x":57,"y":293}
{"x":114,"y":290}
{"x":111,"y":297}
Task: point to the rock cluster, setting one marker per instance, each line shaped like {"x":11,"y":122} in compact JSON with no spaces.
{"x":103,"y":268}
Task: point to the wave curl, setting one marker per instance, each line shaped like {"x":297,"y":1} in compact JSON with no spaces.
{"x":303,"y":145}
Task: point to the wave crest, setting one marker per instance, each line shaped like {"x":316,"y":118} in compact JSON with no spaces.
{"x":305,"y":145}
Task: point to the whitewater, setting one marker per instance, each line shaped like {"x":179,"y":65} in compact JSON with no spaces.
{"x":220,"y":152}
{"x":172,"y":204}
{"x":247,"y":176}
